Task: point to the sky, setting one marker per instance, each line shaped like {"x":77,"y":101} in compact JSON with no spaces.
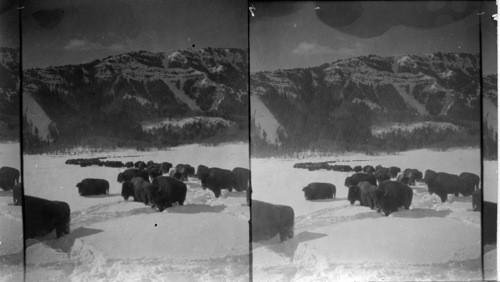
{"x":287,"y":35}
{"x":9,"y":24}
{"x":60,"y":32}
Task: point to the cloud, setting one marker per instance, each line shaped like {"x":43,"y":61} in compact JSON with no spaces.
{"x":313,"y":48}
{"x":85,"y":45}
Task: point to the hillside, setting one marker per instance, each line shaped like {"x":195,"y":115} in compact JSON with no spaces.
{"x":341,"y":101}
{"x":114,"y":96}
{"x":9,"y":96}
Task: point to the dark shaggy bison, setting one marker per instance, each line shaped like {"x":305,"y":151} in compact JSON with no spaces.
{"x":381,"y":176}
{"x":165,"y":167}
{"x":241,"y":178}
{"x":429,"y":176}
{"x":403,"y":179}
{"x":317,"y":190}
{"x":129,"y":164}
{"x":165,"y":191}
{"x":354,"y":179}
{"x":185,"y":170}
{"x":368,"y":169}
{"x":393,"y":171}
{"x":202,"y":174}
{"x":17,"y":194}
{"x":9,"y":177}
{"x":93,"y":186}
{"x":357,"y":168}
{"x":412,"y":175}
{"x":393,"y":194}
{"x":130,"y":173}
{"x":219,"y":179}
{"x":381,"y":169}
{"x":477,"y":199}
{"x":140,"y":165}
{"x":153,"y":170}
{"x":41,"y":216}
{"x":269,"y":220}
{"x":137,"y":188}
{"x":444,"y":184}
{"x":362,"y":192}
{"x":471,"y":182}
{"x":113,"y":164}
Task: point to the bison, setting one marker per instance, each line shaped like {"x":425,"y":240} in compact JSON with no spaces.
{"x":368,"y":169}
{"x":412,"y":175}
{"x":429,"y":176}
{"x":241,"y":178}
{"x":165,"y":167}
{"x":137,"y":188}
{"x":444,"y":184}
{"x":140,"y":165}
{"x":128,"y":174}
{"x":364,"y":193}
{"x":202,"y":174}
{"x":185,"y":170}
{"x":317,"y":190}
{"x":9,"y":177}
{"x":269,"y":220}
{"x":393,"y":171}
{"x":354,"y":179}
{"x":219,"y":179}
{"x":41,"y":216}
{"x":93,"y":186}
{"x":165,"y":191}
{"x":393,"y":194}
{"x":381,"y":176}
{"x":357,"y":168}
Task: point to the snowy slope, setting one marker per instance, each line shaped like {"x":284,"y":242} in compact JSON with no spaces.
{"x":265,"y":120}
{"x":335,"y":241}
{"x":114,"y":240}
{"x":11,"y":225}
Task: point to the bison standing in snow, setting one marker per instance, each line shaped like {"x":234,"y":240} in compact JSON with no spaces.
{"x":9,"y":177}
{"x":368,"y":169}
{"x":219,"y":179}
{"x":269,"y":220}
{"x":41,"y":216}
{"x":393,"y":194}
{"x":393,"y":171}
{"x":444,"y":184}
{"x":137,"y":188}
{"x":317,"y":190}
{"x":354,"y":179}
{"x":128,"y":174}
{"x":93,"y":186}
{"x":471,"y":182}
{"x":165,"y":191}
{"x":364,"y":193}
{"x":241,"y":178}
{"x":412,"y":175}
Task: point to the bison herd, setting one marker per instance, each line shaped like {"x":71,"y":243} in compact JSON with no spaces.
{"x":373,"y":187}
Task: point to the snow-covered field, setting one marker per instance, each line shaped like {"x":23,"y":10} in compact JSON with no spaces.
{"x":335,"y":241}
{"x":11,"y":224}
{"x":113,"y":240}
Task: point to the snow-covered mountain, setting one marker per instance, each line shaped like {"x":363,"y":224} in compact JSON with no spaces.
{"x":126,"y":90}
{"x":397,"y":88}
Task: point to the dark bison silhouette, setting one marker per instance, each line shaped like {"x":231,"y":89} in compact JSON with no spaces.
{"x":202,"y":174}
{"x":41,"y":216}
{"x":381,"y":176}
{"x":165,"y":167}
{"x":444,"y":184}
{"x":93,"y":186}
{"x":17,"y":194}
{"x":393,"y":194}
{"x":219,"y":179}
{"x":412,"y":175}
{"x":393,"y":171}
{"x":9,"y":177}
{"x":357,"y":168}
{"x":354,"y":179}
{"x":129,"y":164}
{"x":368,"y":169}
{"x":429,"y":176}
{"x":185,"y":170}
{"x":241,"y":178}
{"x":364,"y":193}
{"x":140,"y":165}
{"x":318,"y":190}
{"x":471,"y":182}
{"x":382,"y":169}
{"x":403,"y":179}
{"x":269,"y":220}
{"x":165,"y":191}
{"x":477,"y":199}
{"x":130,"y":173}
{"x":137,"y":188}
{"x":153,"y":170}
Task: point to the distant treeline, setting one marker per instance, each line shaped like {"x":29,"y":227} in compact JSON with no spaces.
{"x":123,"y":134}
{"x":354,"y":135}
